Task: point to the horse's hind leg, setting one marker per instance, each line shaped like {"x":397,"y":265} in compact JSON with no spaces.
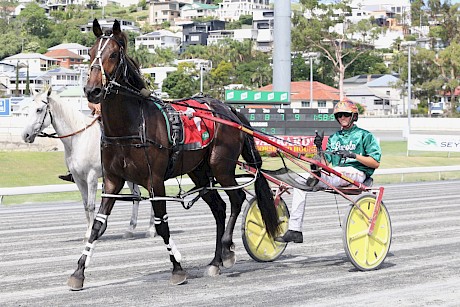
{"x":151,"y":232}
{"x":129,"y":233}
{"x":237,"y":198}
{"x":76,"y":280}
{"x":217,"y":206}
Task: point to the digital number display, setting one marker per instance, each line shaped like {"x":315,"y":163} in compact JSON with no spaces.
{"x":291,"y":121}
{"x":264,"y":117}
{"x":310,"y":117}
{"x":272,"y":130}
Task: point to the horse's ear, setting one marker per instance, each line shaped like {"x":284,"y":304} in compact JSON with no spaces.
{"x":97,"y":28}
{"x":116,"y":29}
{"x":50,"y":89}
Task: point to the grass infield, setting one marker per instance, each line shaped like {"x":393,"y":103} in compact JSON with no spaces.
{"x":21,"y":168}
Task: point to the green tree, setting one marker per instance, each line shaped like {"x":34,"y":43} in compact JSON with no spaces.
{"x":9,"y":44}
{"x":34,"y":20}
{"x":221,"y":76}
{"x":27,"y":90}
{"x":180,"y":84}
{"x":331,"y":33}
{"x":449,"y":64}
{"x":370,"y":62}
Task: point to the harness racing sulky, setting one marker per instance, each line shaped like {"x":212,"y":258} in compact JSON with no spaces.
{"x":146,"y":141}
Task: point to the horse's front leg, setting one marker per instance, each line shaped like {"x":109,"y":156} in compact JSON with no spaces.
{"x":75,"y":282}
{"x":179,"y":276}
{"x":88,"y":203}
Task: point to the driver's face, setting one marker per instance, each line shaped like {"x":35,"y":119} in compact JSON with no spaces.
{"x":344,"y":119}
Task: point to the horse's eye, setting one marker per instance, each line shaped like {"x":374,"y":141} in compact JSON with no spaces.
{"x":39,"y":110}
{"x":114,"y":55}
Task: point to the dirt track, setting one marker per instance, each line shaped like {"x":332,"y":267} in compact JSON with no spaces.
{"x":41,"y":244}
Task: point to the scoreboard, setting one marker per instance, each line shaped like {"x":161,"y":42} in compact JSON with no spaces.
{"x":291,"y":121}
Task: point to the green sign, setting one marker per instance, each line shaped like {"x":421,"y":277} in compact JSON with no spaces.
{"x":256,"y":96}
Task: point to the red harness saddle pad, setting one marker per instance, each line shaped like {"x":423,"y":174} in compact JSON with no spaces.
{"x":198,"y":132}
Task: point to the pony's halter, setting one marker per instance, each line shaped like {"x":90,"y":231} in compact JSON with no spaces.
{"x":43,"y":116}
{"x":97,"y":62}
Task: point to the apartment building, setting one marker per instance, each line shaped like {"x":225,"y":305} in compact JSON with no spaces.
{"x":161,"y":11}
{"x":231,"y":10}
{"x":159,"y":39}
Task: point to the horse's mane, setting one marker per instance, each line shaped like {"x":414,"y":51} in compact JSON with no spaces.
{"x":74,"y":118}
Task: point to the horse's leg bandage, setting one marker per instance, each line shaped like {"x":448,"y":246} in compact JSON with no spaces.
{"x":88,"y":252}
{"x":171,"y":246}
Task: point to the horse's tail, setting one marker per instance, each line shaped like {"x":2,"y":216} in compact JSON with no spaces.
{"x":263,"y":191}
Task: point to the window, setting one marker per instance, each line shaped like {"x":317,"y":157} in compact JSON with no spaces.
{"x":321,"y":104}
{"x":305,"y":104}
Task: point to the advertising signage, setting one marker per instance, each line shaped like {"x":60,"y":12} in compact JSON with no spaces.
{"x":256,"y":97}
{"x":4,"y":107}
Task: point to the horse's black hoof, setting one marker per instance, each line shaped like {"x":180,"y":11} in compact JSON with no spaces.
{"x":75,"y":284}
{"x":229,"y":260}
{"x":178,"y":278}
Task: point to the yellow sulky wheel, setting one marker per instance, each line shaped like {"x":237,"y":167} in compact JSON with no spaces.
{"x":366,"y":251}
{"x":259,"y":245}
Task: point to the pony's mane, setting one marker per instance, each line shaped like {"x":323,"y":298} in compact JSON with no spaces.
{"x":74,"y":117}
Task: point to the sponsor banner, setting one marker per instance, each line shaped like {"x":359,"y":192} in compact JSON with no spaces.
{"x":300,"y":144}
{"x":256,"y":96}
{"x":422,"y":142}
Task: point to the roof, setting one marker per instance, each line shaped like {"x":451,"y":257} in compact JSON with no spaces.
{"x":301,"y":90}
{"x":20,"y":56}
{"x":196,"y":6}
{"x":385,"y":81}
{"x":68,"y":46}
{"x":361,"y":79}
{"x":63,"y":53}
{"x":72,"y":91}
{"x":62,"y":70}
{"x":160,"y":33}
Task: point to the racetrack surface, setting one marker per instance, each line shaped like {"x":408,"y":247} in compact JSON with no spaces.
{"x":41,"y":244}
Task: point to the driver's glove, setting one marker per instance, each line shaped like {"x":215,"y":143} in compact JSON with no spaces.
{"x":346,"y":154}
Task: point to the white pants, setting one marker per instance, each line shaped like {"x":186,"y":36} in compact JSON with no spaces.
{"x":299,"y":196}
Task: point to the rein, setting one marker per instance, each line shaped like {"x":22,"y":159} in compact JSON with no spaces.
{"x":54,"y":136}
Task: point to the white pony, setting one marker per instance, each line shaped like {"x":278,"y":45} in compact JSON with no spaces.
{"x":81,"y":137}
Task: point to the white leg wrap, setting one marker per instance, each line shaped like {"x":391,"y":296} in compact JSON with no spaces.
{"x":157,"y":220}
{"x":101,"y":218}
{"x":88,"y":251}
{"x":172,"y":249}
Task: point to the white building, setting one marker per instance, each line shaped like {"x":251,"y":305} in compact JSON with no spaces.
{"x":379,"y":94}
{"x":58,"y":77}
{"x":158,"y":74}
{"x":263,"y":23}
{"x":35,"y":61}
{"x":198,"y":10}
{"x":238,"y":34}
{"x":125,"y":25}
{"x":231,"y":10}
{"x":75,"y":48}
{"x":159,"y":39}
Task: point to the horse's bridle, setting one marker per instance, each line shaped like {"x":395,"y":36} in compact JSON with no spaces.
{"x":97,"y":62}
{"x":40,"y":133}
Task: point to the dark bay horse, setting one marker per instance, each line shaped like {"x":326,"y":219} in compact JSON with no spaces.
{"x":136,"y":147}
